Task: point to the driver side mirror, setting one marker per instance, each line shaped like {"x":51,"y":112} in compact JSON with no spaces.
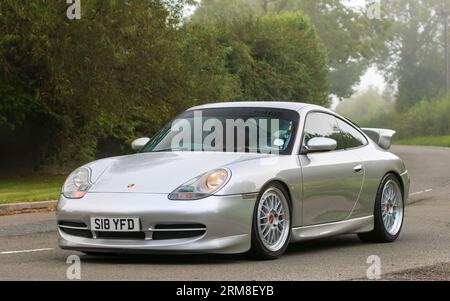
{"x":320,"y":144}
{"x":138,"y":144}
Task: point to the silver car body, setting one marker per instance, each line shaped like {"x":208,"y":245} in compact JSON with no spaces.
{"x":328,"y":195}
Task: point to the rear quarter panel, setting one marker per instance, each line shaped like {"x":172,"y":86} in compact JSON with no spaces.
{"x":377,"y":163}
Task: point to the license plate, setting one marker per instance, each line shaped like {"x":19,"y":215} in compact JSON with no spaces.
{"x":115,"y":224}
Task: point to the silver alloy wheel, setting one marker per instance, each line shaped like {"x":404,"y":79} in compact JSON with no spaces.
{"x":392,"y":207}
{"x":273,"y":219}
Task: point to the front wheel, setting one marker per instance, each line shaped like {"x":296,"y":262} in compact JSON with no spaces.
{"x":271,"y":230}
{"x":388,"y":213}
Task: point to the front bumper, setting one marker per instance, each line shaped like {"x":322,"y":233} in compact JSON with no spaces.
{"x":228,"y":221}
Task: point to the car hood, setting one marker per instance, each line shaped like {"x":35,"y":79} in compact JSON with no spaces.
{"x":158,"y":173}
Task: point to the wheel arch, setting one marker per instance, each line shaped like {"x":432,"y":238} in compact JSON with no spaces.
{"x":399,"y":178}
{"x":284,"y":185}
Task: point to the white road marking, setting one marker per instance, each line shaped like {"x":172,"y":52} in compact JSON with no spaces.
{"x":421,"y":192}
{"x":25,"y":251}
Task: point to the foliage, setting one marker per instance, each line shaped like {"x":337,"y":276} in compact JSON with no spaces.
{"x":442,"y":141}
{"x":119,"y":71}
{"x":414,"y":57}
{"x":413,"y":60}
{"x":275,"y":58}
{"x":72,"y":91}
{"x":428,"y":118}
{"x":366,"y":108}
{"x":350,"y":38}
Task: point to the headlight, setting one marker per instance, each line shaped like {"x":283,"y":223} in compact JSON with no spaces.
{"x":202,"y":186}
{"x":77,"y":184}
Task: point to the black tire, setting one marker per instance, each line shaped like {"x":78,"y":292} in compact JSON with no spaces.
{"x":380,"y":233}
{"x":258,"y":250}
{"x":98,"y":254}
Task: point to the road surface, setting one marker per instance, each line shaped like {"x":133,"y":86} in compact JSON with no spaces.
{"x":28,"y":249}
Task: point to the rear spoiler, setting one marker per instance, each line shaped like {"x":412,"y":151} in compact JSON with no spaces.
{"x":382,"y":137}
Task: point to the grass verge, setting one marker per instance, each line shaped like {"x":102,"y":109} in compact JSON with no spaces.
{"x":32,"y":189}
{"x":443,"y":141}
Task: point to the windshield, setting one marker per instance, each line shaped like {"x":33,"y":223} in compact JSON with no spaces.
{"x":258,"y":130}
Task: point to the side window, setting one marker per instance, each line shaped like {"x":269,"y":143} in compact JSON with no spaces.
{"x":322,"y":125}
{"x":351,"y":137}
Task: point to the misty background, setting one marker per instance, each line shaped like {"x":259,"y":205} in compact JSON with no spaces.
{"x":75,"y":90}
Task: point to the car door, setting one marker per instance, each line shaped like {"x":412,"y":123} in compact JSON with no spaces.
{"x":332,"y":180}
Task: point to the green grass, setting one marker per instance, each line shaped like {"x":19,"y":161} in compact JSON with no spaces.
{"x":426,"y":141}
{"x":32,"y":189}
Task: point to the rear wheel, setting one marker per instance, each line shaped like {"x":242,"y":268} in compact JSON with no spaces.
{"x":271,"y":230}
{"x":388,"y":212}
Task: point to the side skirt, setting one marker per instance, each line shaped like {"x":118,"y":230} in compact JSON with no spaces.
{"x":351,"y":226}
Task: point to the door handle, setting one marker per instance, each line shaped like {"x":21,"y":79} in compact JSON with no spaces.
{"x":358,"y":168}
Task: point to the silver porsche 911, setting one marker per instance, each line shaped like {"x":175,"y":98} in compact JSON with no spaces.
{"x":238,"y":177}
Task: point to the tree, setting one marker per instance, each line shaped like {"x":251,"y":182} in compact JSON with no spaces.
{"x":275,"y":57}
{"x":351,"y":39}
{"x":367,"y":107}
{"x":413,"y":55}
{"x":71,"y":89}
{"x":75,"y":90}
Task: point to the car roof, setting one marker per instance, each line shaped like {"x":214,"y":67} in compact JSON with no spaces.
{"x":296,"y":106}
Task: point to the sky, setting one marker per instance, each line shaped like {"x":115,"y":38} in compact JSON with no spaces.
{"x":356,"y":3}
{"x":372,"y":78}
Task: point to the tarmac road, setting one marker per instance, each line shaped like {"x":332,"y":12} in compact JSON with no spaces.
{"x":28,"y":249}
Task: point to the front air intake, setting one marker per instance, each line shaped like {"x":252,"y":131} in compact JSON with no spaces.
{"x":177,"y":231}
